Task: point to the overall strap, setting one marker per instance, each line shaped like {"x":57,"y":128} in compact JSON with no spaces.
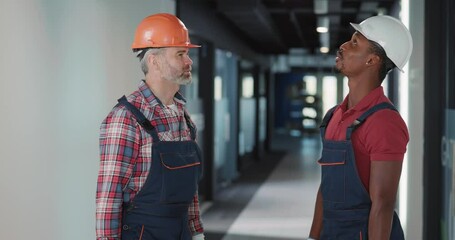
{"x":188,"y":122}
{"x":360,"y":120}
{"x":141,"y":119}
{"x":325,"y":120}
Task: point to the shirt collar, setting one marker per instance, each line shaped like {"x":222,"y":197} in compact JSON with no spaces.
{"x":153,"y":101}
{"x":366,"y":102}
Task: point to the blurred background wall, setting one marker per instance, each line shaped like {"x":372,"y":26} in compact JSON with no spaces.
{"x":63,"y":64}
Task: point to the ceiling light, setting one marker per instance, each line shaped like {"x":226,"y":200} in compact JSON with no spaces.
{"x":324,"y":40}
{"x":322,"y":29}
{"x":323,"y":24}
{"x":324,"y":49}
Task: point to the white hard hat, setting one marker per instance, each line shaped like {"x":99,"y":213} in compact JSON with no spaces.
{"x":391,"y":34}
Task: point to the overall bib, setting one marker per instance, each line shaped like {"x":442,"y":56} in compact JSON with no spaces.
{"x":346,"y":202}
{"x":159,"y":211}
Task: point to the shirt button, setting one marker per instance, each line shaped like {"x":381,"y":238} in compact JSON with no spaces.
{"x":125,"y":227}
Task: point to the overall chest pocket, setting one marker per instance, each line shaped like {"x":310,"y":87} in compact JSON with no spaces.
{"x":180,"y":176}
{"x":333,"y":180}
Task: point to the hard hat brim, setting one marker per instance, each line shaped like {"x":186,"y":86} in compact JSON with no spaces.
{"x":135,"y":46}
{"x":358,"y":28}
{"x":194,"y":46}
{"x":184,"y":45}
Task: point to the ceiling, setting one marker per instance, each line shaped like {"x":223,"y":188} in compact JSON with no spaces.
{"x":276,"y":26}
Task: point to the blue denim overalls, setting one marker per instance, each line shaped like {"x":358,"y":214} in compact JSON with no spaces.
{"x":346,"y":202}
{"x":160,"y":209}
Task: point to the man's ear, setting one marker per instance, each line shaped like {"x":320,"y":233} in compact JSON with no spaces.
{"x":154,"y":61}
{"x":373,"y":59}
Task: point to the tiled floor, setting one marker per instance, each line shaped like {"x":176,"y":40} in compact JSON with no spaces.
{"x":278,"y":207}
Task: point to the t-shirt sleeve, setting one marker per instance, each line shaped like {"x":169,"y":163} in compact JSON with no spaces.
{"x":387,"y":136}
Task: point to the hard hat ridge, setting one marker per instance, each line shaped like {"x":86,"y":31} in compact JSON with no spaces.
{"x":161,"y":30}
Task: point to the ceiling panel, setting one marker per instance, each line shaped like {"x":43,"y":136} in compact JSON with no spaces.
{"x":275,"y":26}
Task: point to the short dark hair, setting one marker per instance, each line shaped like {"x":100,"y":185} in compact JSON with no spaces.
{"x":386,"y":64}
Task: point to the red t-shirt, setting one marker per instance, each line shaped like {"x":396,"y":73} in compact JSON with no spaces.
{"x":382,"y":137}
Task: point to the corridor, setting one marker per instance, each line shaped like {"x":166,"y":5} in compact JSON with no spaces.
{"x":275,"y":198}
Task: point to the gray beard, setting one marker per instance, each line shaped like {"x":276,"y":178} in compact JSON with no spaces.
{"x":181,"y":80}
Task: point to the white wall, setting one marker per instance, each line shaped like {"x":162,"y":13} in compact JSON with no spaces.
{"x":414,"y":162}
{"x":63,"y":64}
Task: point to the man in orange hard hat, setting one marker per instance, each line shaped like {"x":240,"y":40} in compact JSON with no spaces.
{"x":364,"y":139}
{"x":150,"y":163}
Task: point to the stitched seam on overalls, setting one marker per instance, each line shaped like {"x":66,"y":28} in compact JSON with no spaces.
{"x":142,"y":232}
{"x":180,"y":167}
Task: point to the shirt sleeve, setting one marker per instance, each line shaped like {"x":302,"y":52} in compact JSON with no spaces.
{"x":118,"y":150}
{"x":387,"y":136}
{"x":194,"y":218}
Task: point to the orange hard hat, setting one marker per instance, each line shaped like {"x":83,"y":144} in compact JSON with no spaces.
{"x":161,"y":30}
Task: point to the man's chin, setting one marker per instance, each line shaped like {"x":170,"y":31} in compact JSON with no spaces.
{"x":337,"y":68}
{"x":184,"y":81}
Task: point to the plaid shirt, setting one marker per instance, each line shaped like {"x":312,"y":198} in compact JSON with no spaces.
{"x":125,"y":149}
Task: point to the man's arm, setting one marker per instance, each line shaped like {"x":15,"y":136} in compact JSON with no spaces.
{"x":194,"y":217}
{"x":118,"y":150}
{"x":316,"y":226}
{"x":384,"y":179}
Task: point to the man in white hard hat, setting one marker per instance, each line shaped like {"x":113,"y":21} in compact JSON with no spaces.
{"x":364,"y":139}
{"x":150,"y":162}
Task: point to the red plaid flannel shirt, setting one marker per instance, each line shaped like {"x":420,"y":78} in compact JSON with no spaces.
{"x":125,"y":151}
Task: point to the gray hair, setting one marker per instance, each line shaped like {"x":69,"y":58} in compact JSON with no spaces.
{"x":143,"y":56}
